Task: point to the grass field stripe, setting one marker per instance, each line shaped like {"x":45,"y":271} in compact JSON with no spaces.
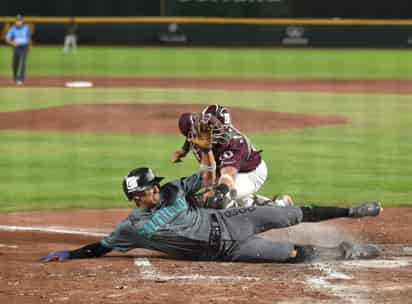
{"x":149,"y":272}
{"x":59,"y":230}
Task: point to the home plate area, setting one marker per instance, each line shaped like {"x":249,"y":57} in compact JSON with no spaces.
{"x":143,"y":276}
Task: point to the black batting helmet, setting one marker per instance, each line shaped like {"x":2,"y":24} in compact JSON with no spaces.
{"x":139,"y":180}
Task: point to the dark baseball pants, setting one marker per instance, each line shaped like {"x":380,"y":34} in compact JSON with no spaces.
{"x":19,"y":62}
{"x":240,"y":226}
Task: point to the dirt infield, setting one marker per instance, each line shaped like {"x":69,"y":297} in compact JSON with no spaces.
{"x":372,"y":86}
{"x":142,"y":276}
{"x":153,"y":119}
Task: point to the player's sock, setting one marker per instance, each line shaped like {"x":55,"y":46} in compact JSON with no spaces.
{"x":319,"y":213}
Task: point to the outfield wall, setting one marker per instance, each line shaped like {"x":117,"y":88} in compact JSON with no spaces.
{"x":227,"y":32}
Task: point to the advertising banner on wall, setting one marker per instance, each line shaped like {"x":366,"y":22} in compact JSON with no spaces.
{"x":295,"y":35}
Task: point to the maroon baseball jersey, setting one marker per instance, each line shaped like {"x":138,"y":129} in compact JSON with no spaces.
{"x":238,"y":152}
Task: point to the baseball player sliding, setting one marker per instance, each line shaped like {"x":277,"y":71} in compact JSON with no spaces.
{"x":168,"y":219}
{"x":237,"y":164}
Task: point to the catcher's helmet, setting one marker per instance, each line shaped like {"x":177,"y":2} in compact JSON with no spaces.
{"x":219,"y":119}
{"x":139,"y":180}
{"x":218,"y":111}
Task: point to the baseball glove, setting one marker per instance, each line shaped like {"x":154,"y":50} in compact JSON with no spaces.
{"x":202,"y":136}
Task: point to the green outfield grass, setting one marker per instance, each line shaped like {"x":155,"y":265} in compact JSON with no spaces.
{"x":200,"y":62}
{"x":368,"y":159}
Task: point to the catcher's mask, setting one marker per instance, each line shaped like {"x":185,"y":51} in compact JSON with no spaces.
{"x":219,"y":120}
{"x":139,"y":180}
{"x":220,"y":112}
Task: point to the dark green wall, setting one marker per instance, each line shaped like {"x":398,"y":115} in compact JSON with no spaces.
{"x":195,"y":34}
{"x":228,"y":8}
{"x":246,"y":8}
{"x":80,"y":7}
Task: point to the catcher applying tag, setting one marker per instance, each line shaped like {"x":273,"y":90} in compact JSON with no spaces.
{"x":202,"y":135}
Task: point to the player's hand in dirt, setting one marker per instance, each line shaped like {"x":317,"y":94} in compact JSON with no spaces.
{"x":58,"y":256}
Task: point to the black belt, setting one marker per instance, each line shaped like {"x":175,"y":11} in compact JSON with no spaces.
{"x":214,"y":238}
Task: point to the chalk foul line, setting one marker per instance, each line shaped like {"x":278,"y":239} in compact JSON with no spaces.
{"x":149,"y":272}
{"x":59,"y":230}
{"x":7,"y":246}
{"x":329,"y":281}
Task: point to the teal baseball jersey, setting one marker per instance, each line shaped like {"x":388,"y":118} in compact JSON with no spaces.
{"x":176,"y":226}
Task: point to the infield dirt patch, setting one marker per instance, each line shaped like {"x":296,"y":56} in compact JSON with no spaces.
{"x":154,"y":118}
{"x":370,"y":86}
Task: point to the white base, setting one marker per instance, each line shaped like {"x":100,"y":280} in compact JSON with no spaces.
{"x":78,"y":84}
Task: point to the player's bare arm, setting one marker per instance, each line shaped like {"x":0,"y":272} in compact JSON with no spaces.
{"x":181,"y":153}
{"x":208,"y":168}
{"x":178,"y":155}
{"x":208,"y":173}
{"x":226,"y":183}
{"x":228,"y":176}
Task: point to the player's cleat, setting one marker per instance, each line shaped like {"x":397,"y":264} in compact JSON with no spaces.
{"x":277,"y":200}
{"x":283,"y":201}
{"x":366,"y":209}
{"x":345,"y":251}
{"x":260,"y":200}
{"x":354,"y":251}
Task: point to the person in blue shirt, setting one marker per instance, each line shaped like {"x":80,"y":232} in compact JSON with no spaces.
{"x":19,"y":37}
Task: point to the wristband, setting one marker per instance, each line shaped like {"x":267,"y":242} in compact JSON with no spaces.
{"x":205,"y":150}
{"x":207,"y":168}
